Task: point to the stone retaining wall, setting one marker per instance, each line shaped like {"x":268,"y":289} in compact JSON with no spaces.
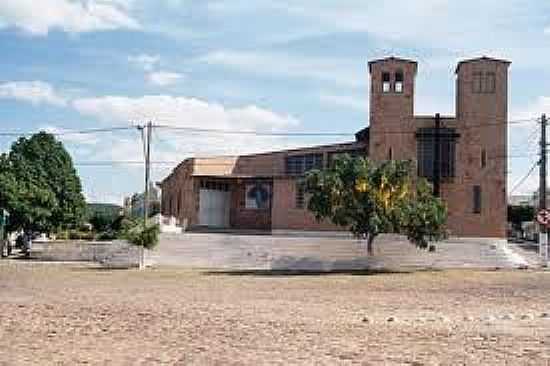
{"x":111,"y":254}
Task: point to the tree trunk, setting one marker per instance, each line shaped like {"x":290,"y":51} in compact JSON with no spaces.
{"x":370,"y":240}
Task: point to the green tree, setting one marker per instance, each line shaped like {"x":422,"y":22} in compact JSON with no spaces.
{"x":371,"y":199}
{"x":519,"y":214}
{"x":39,"y":185}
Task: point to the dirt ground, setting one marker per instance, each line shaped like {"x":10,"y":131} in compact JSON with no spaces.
{"x":69,"y":314}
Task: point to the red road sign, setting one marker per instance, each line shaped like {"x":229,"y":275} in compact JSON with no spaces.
{"x":543,"y":217}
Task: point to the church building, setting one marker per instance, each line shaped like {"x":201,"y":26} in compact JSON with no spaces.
{"x":264,"y":191}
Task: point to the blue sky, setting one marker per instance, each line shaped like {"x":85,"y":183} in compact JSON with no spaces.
{"x":266,"y":65}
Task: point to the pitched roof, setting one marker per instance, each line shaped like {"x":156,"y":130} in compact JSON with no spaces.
{"x":391,"y":58}
{"x":483,"y":58}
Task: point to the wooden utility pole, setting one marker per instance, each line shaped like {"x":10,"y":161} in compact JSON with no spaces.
{"x":147,"y":171}
{"x":542,"y":181}
{"x":146,"y":133}
{"x":437,"y":157}
{"x":543,"y":235}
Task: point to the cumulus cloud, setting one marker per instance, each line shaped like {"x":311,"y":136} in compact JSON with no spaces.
{"x":345,"y":101}
{"x":344,"y":72}
{"x":533,"y":109}
{"x":182,"y":111}
{"x":72,"y":16}
{"x":145,"y":61}
{"x":35,"y":92}
{"x":66,"y":136}
{"x":174,"y":111}
{"x":164,"y":78}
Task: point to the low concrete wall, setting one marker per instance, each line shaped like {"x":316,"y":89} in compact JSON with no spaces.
{"x":111,"y":254}
{"x":329,"y":253}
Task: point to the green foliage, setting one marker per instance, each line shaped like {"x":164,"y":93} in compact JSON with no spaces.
{"x":146,"y":236}
{"x":519,"y":214}
{"x":39,"y":185}
{"x":371,"y":199}
{"x":424,"y":217}
{"x":80,"y":235}
{"x":101,"y":222}
{"x":106,"y":209}
{"x":107,"y":236}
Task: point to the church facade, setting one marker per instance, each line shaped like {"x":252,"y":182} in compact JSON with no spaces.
{"x":265,"y":191}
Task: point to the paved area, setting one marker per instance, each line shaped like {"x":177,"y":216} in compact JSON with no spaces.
{"x":330,"y":252}
{"x":54,"y":314}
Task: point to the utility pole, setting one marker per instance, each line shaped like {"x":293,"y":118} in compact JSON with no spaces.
{"x":147,"y":171}
{"x":543,"y":239}
{"x":437,"y":157}
{"x":146,"y":132}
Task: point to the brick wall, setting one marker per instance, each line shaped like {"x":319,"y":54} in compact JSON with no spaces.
{"x":246,"y":218}
{"x":481,"y":123}
{"x":285,"y":214}
{"x":180,"y":195}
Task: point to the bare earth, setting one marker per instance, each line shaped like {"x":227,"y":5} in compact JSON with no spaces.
{"x":69,"y":314}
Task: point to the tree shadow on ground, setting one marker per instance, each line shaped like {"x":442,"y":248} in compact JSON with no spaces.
{"x":292,"y":266}
{"x":295,"y":273}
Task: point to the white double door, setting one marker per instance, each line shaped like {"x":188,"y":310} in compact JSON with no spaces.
{"x":214,"y":208}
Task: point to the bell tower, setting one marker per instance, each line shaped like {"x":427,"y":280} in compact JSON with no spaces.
{"x":391,"y":108}
{"x":482,"y":122}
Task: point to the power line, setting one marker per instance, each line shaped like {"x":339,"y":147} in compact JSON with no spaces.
{"x":238,"y":132}
{"x":70,"y":132}
{"x":254,"y":133}
{"x":473,"y":126}
{"x":121,"y":162}
{"x":171,"y":162}
{"x":522,"y":180}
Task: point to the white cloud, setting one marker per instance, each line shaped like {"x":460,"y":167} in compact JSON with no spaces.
{"x":71,"y":138}
{"x":72,"y":16}
{"x":456,"y":23}
{"x":346,"y":101}
{"x":533,"y":109}
{"x":344,"y":72}
{"x":175,"y":145}
{"x":145,"y":61}
{"x":182,"y":111}
{"x":164,"y":78}
{"x":35,"y":92}
{"x":189,"y":112}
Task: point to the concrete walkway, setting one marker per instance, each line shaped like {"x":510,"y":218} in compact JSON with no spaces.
{"x":291,"y":252}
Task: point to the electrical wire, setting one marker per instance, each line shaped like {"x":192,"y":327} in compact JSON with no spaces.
{"x":522,"y":180}
{"x":254,"y":133}
{"x":71,"y":132}
{"x":240,"y":132}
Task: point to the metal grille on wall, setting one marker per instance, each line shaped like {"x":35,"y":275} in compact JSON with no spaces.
{"x":426,"y":148}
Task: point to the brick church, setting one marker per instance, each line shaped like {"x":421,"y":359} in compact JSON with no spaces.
{"x":264,"y":191}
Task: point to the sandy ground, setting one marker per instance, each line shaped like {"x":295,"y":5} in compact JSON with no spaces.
{"x":69,"y":314}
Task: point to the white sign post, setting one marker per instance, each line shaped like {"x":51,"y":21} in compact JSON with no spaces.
{"x":543,"y":245}
{"x":543,"y":218}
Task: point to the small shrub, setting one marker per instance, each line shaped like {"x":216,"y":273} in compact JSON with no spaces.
{"x":80,"y":235}
{"x":62,"y":235}
{"x":74,"y":235}
{"x":143,"y":236}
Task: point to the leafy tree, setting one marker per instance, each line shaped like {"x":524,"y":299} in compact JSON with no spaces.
{"x":143,"y":236}
{"x":39,"y":185}
{"x":103,"y":216}
{"x":101,"y":222}
{"x":371,"y":199}
{"x":519,"y":214}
